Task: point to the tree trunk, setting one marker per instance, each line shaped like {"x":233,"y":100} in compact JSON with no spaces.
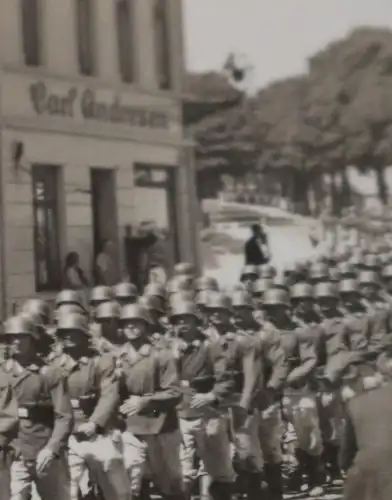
{"x":382,"y":186}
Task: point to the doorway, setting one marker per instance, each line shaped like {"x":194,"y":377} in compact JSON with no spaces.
{"x":104,"y":208}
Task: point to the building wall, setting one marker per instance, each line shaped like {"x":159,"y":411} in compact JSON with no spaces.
{"x":76,"y":144}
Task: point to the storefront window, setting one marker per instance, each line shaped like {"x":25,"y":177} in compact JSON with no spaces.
{"x":30,"y":14}
{"x":46,"y":228}
{"x":162,"y":43}
{"x":124,"y":20}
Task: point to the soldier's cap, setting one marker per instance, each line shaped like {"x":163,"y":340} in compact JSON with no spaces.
{"x":125,"y":290}
{"x":281,"y":281}
{"x":202,"y":297}
{"x":156,"y":289}
{"x":250,"y":270}
{"x":152,"y":303}
{"x":387,"y":271}
{"x":135,"y":312}
{"x":326,"y":290}
{"x":218,"y":301}
{"x":37,"y":307}
{"x":108,"y":310}
{"x":302,"y":291}
{"x":20,"y":325}
{"x":369,"y":278}
{"x":267,"y":271}
{"x":72,"y":322}
{"x":349,"y":286}
{"x":70,"y":297}
{"x":101,"y":293}
{"x":184,"y":268}
{"x":262,"y":285}
{"x":179,"y":283}
{"x":184,"y":308}
{"x":276,"y":297}
{"x":242,"y":298}
{"x":207,"y":283}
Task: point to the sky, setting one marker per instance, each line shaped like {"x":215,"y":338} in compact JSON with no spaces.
{"x":275,"y":37}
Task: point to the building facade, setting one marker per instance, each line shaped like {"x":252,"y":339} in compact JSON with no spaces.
{"x":91,"y":135}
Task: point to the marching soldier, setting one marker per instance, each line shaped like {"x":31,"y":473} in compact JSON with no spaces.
{"x":94,"y":391}
{"x":45,"y":417}
{"x":126,"y":293}
{"x":99,"y":295}
{"x":150,"y":393}
{"x":205,"y":385}
{"x":107,"y":336}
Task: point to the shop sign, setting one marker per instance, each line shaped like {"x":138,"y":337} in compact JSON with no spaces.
{"x":86,"y":104}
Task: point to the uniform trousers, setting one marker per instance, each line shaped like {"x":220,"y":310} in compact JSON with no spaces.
{"x":271,"y":431}
{"x":208,"y":438}
{"x":156,"y":456}
{"x":102,"y":457}
{"x":52,"y":484}
{"x":247,"y":450}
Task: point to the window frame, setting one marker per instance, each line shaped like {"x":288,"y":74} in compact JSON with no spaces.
{"x":49,"y":175}
{"x":88,"y":67}
{"x":162,"y":45}
{"x":129,"y":37}
{"x":37,"y":57}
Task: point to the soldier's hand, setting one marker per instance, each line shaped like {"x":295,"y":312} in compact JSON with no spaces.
{"x":88,"y":429}
{"x":132,"y":406}
{"x":201,"y":400}
{"x":44,"y":459}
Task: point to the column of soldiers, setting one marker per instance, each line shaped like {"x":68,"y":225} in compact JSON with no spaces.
{"x":188,"y":384}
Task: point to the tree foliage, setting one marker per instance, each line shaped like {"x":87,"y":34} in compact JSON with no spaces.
{"x":309,"y":128}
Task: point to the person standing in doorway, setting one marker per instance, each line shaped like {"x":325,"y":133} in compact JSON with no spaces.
{"x":153,"y":257}
{"x":256,"y":248}
{"x":106,"y":268}
{"x":73,"y":276}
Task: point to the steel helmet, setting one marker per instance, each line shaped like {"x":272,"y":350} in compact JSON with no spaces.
{"x":242,"y":298}
{"x":348,"y":286}
{"x":218,"y":300}
{"x":356,"y":260}
{"x":326,"y":290}
{"x":207,"y":283}
{"x":289,"y":269}
{"x":267,"y":271}
{"x":157,"y":290}
{"x":69,"y":309}
{"x":20,"y":325}
{"x":371,"y":261}
{"x":184,"y":268}
{"x":334,"y":275}
{"x":203,"y":297}
{"x":179,"y":283}
{"x":387,"y":271}
{"x":151,"y":302}
{"x":262,"y":285}
{"x":249,"y":270}
{"x":69,"y":297}
{"x":108,"y":310}
{"x":37,"y":307}
{"x":76,"y":322}
{"x":276,"y":297}
{"x":347,"y":270}
{"x":281,"y":281}
{"x":368,"y":278}
{"x":125,"y":290}
{"x":319,"y":270}
{"x":301,"y":291}
{"x":133,"y":312}
{"x":184,"y":308}
{"x":101,"y":294}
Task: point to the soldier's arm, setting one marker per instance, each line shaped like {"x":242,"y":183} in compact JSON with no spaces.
{"x":376,"y":339}
{"x":62,"y":407}
{"x":109,"y":395}
{"x":167,"y":395}
{"x":277,"y":360}
{"x":251,"y":368}
{"x":224,"y":383}
{"x":8,"y":412}
{"x":308,"y":357}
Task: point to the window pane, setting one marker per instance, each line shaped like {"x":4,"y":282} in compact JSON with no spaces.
{"x":162,"y":43}
{"x":124,"y":22}
{"x":30,"y":32}
{"x":85,"y":33}
{"x":46,"y":228}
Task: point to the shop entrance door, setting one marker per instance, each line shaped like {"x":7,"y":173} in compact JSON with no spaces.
{"x":104,"y":207}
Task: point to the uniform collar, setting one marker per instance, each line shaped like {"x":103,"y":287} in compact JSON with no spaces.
{"x":143,"y":351}
{"x":67,"y":361}
{"x":12,"y":365}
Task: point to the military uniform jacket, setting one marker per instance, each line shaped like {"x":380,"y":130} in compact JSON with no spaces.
{"x":151,"y":372}
{"x":93,"y":387}
{"x":8,"y":410}
{"x":44,"y":408}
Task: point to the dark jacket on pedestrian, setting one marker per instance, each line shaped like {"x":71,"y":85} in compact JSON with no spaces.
{"x":254,"y":255}
{"x":367,"y":445}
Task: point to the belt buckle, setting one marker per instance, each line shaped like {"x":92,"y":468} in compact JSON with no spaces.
{"x":75,"y":404}
{"x":23,"y":412}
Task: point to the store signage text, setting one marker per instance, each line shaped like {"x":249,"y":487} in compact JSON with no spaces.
{"x":71,"y":102}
